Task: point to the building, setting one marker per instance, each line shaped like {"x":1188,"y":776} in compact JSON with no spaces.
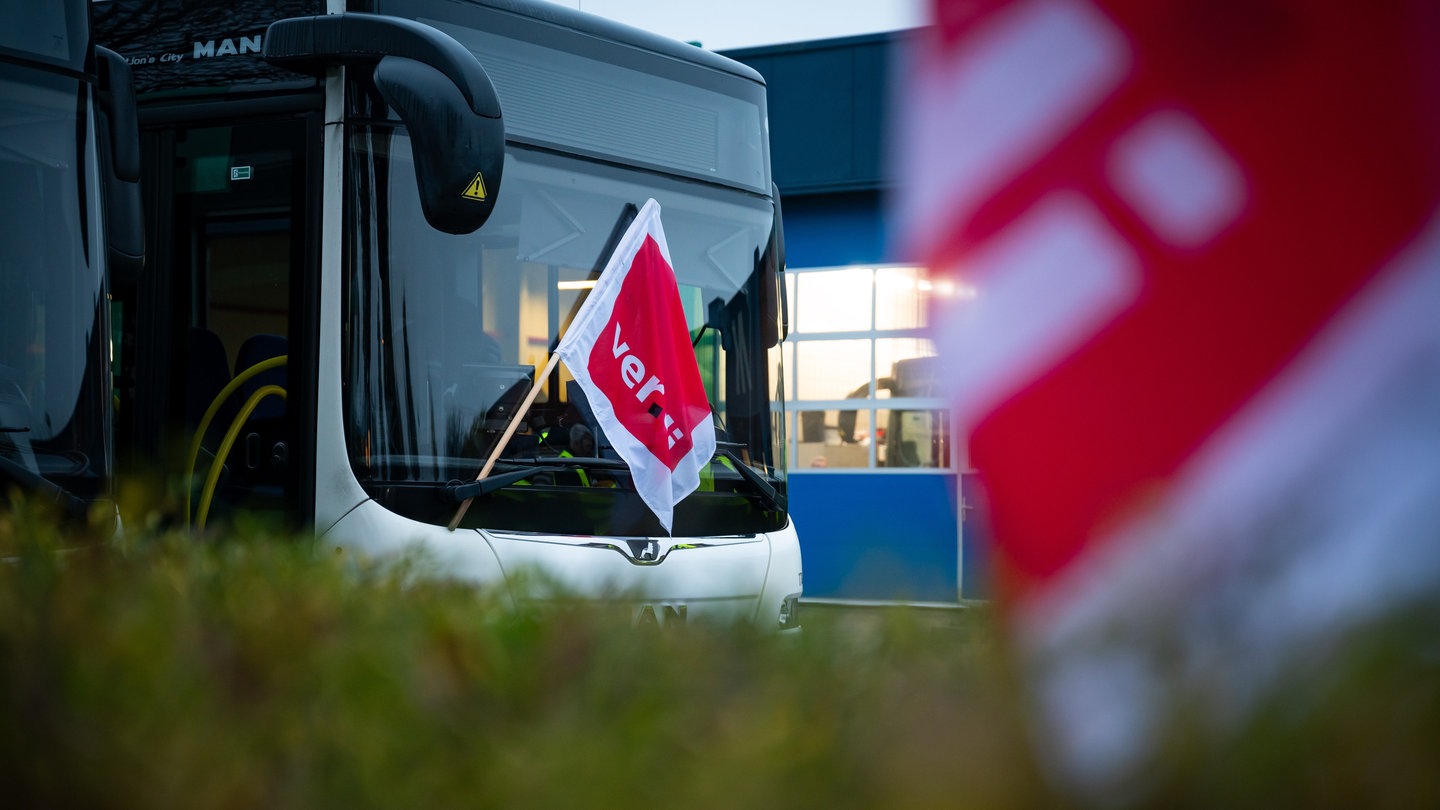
{"x":877,"y":465}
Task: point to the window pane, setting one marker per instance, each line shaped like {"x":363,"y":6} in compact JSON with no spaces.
{"x":833,"y":439}
{"x":534,"y":313}
{"x":913,"y":438}
{"x":831,"y":369}
{"x":902,"y":295}
{"x":906,"y":362}
{"x":833,"y":300}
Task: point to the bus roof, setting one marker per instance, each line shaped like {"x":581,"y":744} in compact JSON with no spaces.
{"x":589,"y":24}
{"x":214,"y":46}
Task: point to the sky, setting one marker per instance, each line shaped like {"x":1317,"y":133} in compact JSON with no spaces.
{"x":725,"y":24}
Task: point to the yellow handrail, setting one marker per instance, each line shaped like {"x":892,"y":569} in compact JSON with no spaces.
{"x":236,"y":424}
{"x":240,"y":379}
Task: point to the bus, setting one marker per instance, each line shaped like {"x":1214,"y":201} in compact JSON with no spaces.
{"x":371,"y":223}
{"x":69,"y":168}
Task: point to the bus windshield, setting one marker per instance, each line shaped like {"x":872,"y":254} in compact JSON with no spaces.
{"x":444,"y":334}
{"x":54,"y":372}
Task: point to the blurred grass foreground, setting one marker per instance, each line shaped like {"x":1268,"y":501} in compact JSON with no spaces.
{"x":162,"y":670}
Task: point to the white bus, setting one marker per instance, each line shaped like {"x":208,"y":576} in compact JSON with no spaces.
{"x":371,"y":223}
{"x":69,"y":166}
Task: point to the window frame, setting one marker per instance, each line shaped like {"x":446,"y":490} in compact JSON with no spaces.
{"x":873,"y":404}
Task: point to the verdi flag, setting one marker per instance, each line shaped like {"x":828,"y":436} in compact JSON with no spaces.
{"x":629,"y":348}
{"x":1200,"y":367}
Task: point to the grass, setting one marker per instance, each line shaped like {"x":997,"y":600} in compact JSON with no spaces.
{"x":253,"y":671}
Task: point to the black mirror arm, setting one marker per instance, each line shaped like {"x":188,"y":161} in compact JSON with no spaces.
{"x":311,"y":44}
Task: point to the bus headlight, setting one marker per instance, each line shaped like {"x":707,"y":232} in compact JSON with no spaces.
{"x":790,"y":612}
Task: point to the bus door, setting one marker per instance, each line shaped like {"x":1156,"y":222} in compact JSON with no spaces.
{"x":222,"y":360}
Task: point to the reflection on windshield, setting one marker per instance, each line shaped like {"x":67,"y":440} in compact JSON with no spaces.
{"x":446,"y":333}
{"x":54,"y":393}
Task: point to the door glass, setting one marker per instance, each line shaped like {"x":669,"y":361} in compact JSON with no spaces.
{"x":235,"y":256}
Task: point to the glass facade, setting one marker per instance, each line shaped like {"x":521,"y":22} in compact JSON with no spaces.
{"x":862,"y":370}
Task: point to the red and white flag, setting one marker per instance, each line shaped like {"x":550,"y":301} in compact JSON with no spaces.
{"x":629,"y":348}
{"x":1201,"y":365}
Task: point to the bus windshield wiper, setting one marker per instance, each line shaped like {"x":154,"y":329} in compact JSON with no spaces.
{"x":521,"y":469}
{"x":562,"y":461}
{"x":19,"y":429}
{"x":44,"y":487}
{"x":754,"y":478}
{"x":474,"y":489}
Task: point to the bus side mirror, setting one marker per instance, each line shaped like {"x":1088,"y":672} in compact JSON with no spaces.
{"x":458,"y":156}
{"x":118,"y":130}
{"x":438,"y":89}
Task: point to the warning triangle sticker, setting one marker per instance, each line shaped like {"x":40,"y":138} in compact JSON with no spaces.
{"x":476,"y":189}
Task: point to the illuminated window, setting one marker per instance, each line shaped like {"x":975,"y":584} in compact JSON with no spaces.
{"x":862,"y":371}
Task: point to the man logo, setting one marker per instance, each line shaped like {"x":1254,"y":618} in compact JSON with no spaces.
{"x":644,"y":550}
{"x":231,"y":46}
{"x":665,"y":616}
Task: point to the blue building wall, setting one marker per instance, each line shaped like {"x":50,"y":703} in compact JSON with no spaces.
{"x":835,"y":230}
{"x":877,"y":534}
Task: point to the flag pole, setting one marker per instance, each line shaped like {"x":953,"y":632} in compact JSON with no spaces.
{"x":509,"y":431}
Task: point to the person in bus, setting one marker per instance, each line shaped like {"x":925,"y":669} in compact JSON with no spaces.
{"x":579,"y":442}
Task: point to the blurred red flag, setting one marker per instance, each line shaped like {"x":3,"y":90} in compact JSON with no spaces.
{"x":1204,"y":245}
{"x":1160,"y":204}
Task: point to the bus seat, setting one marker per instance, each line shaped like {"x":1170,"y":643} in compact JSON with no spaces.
{"x":255,"y":349}
{"x":207,"y":372}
